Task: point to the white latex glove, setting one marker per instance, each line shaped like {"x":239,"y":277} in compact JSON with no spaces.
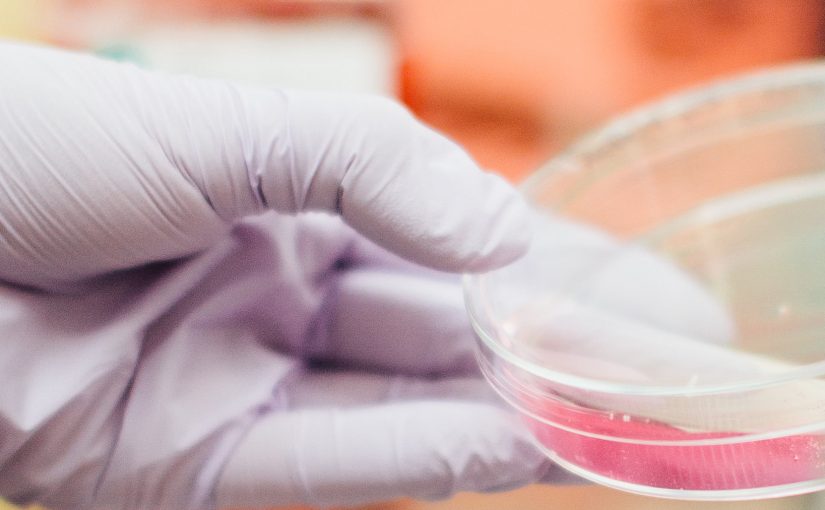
{"x":157,"y":352}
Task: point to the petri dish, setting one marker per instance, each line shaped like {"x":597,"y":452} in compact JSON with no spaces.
{"x":665,"y":334}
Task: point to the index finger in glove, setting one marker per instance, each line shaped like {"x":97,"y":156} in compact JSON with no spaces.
{"x":109,"y":167}
{"x":402,"y":185}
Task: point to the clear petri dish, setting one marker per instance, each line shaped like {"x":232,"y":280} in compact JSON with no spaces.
{"x":665,"y":335}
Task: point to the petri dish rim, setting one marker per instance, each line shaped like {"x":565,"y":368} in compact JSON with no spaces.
{"x":775,"y":80}
{"x":813,"y":428}
{"x":810,"y":370}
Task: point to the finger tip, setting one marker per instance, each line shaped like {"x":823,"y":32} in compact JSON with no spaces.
{"x":432,"y":204}
{"x":509,"y":233}
{"x":498,"y":230}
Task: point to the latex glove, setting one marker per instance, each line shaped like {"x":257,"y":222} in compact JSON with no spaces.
{"x":106,"y":167}
{"x":134,"y":389}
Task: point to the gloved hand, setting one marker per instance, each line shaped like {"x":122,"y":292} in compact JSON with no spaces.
{"x":163,"y":349}
{"x":159,"y":351}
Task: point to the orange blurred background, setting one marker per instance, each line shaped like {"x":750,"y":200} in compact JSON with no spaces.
{"x":513,"y":81}
{"x":516,"y":80}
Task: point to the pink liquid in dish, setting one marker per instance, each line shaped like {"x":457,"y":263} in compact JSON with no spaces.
{"x":687,"y":460}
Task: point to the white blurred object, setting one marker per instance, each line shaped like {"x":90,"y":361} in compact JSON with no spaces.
{"x":340,"y":54}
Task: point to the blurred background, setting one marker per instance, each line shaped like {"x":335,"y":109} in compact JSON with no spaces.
{"x":513,"y":81}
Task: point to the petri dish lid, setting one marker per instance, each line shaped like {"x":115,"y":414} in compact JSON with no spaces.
{"x":677,"y":249}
